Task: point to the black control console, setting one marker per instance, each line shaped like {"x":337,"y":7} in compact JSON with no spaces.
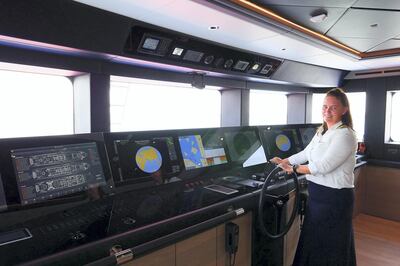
{"x":63,"y":192}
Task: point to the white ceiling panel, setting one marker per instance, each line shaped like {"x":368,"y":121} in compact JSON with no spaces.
{"x":284,"y":46}
{"x":339,"y":62}
{"x":390,"y":44}
{"x":385,"y":4}
{"x":362,"y":44}
{"x":141,"y":10}
{"x":358,"y":23}
{"x":332,"y":60}
{"x":302,"y":14}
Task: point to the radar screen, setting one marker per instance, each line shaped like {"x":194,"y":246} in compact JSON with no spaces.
{"x":307,"y":133}
{"x":245,"y":147}
{"x":44,"y":173}
{"x":281,"y":142}
{"x":200,"y":151}
{"x":154,"y":159}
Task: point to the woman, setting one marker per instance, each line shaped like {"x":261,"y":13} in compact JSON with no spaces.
{"x":327,"y":234}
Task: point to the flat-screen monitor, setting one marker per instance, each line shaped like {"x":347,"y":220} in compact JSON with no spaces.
{"x":153,"y":159}
{"x":281,"y":142}
{"x":245,"y":147}
{"x":204,"y":150}
{"x":307,"y":133}
{"x":44,"y":173}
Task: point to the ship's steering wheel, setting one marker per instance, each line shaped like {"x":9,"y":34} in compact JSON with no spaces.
{"x":278,"y":201}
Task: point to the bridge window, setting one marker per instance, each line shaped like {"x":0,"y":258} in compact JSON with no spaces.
{"x":357,"y":106}
{"x":137,"y":104}
{"x":267,"y":107}
{"x":35,"y":105}
{"x":392,"y":131}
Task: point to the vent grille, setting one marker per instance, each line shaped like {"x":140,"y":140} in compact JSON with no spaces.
{"x":369,"y":73}
{"x":374,"y":74}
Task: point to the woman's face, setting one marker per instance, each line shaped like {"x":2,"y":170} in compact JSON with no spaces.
{"x":332,"y":110}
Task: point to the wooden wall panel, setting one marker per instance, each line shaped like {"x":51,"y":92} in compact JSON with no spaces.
{"x":243,"y":255}
{"x":382,"y":192}
{"x":199,"y":250}
{"x":359,"y":190}
{"x":165,"y":257}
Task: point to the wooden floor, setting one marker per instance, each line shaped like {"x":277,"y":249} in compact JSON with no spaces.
{"x":377,"y":241}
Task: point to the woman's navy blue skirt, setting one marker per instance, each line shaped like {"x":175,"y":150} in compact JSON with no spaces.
{"x":327,"y":234}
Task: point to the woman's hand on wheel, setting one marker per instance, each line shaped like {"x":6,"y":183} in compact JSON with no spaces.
{"x":276,"y":160}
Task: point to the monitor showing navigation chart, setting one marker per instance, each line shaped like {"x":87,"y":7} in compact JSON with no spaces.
{"x":44,"y":173}
{"x":203,"y":150}
{"x":281,"y":142}
{"x":140,"y":160}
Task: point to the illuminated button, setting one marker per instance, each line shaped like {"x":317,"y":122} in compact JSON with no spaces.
{"x":255,"y":67}
{"x":177,"y":51}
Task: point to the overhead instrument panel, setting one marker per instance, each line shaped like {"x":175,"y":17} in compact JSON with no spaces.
{"x":44,"y":173}
{"x":166,"y":46}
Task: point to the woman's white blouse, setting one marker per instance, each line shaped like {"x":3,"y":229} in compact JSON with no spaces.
{"x":331,"y":157}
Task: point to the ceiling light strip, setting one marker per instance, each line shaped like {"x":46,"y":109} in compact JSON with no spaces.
{"x":268,"y":13}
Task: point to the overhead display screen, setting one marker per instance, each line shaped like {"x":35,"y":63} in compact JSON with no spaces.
{"x":245,"y":147}
{"x":154,"y":158}
{"x":45,"y":173}
{"x":281,"y":142}
{"x":202,"y":151}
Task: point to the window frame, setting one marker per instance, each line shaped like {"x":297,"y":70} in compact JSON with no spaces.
{"x":388,"y":117}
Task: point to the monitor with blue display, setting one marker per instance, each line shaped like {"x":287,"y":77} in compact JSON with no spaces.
{"x":140,"y":160}
{"x":281,"y":142}
{"x":204,"y":150}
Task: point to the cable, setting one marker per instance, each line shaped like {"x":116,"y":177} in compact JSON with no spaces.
{"x":232,"y":263}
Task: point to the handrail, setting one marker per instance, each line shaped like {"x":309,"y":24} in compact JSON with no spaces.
{"x":129,"y":254}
